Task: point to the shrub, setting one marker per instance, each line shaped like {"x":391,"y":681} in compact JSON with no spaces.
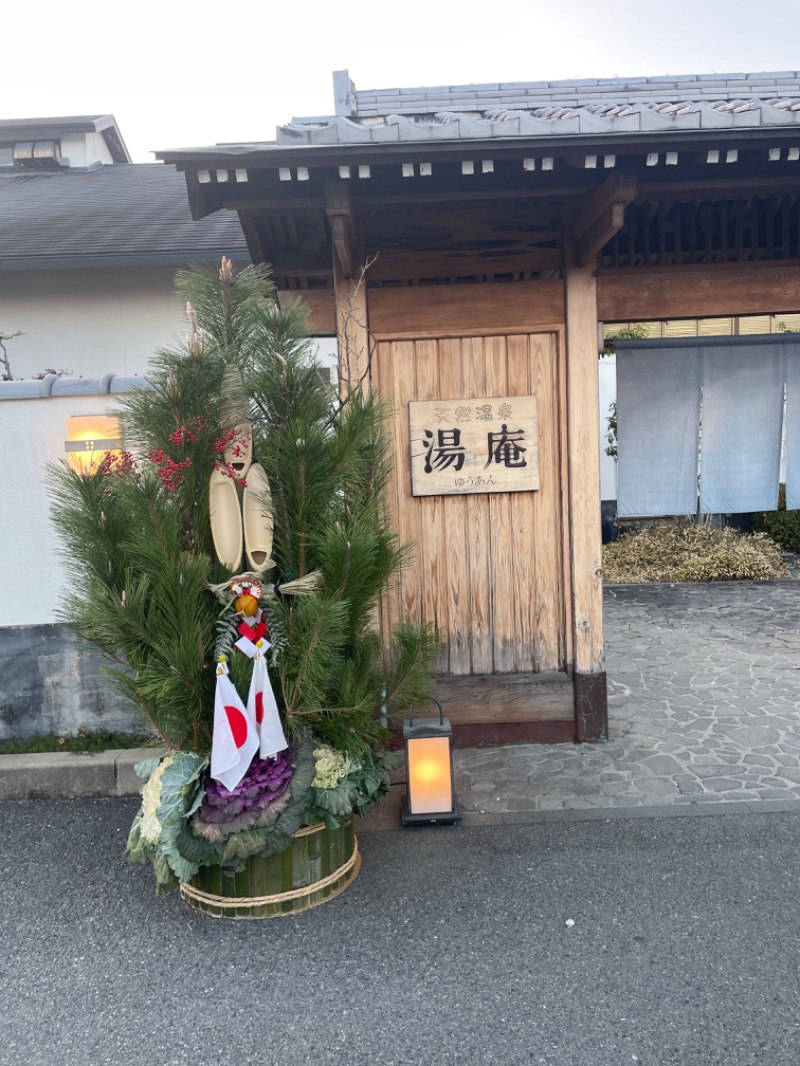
{"x":100,"y":740}
{"x":782,"y":525}
{"x":675,"y":551}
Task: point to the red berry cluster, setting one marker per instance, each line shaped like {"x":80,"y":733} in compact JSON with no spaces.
{"x":178,"y":436}
{"x":237,"y":445}
{"x":221,"y":443}
{"x":229,"y":470}
{"x":188,"y":433}
{"x":170,"y":472}
{"x":118,"y":464}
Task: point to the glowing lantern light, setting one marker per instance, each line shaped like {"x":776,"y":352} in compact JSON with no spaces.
{"x":90,"y":438}
{"x":429,"y":769}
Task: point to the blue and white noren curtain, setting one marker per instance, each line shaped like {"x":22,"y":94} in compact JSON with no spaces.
{"x":741,"y":380}
{"x":740,"y":451}
{"x":658,"y":418}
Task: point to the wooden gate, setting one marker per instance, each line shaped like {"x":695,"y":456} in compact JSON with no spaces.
{"x":487,"y":569}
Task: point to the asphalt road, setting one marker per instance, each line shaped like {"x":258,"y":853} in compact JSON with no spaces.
{"x":451,"y":948}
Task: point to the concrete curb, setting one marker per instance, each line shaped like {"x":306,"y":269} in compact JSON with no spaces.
{"x":62,"y":775}
{"x":52,"y":775}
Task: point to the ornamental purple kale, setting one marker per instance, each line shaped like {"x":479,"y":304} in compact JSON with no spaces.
{"x":257,"y":800}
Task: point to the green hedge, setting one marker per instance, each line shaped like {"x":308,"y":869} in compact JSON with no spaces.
{"x":782,"y":525}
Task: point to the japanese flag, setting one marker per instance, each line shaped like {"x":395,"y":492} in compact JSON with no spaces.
{"x":235,"y":740}
{"x":263,"y":709}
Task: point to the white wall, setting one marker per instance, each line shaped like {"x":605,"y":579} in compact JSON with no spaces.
{"x":84,"y":149}
{"x":32,"y":434}
{"x":89,"y":322}
{"x":96,"y":322}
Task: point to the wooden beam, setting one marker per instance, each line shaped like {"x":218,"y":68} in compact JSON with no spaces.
{"x":725,"y":187}
{"x":200,"y":201}
{"x":286,"y":205}
{"x":291,"y":264}
{"x":602,"y":215}
{"x":320,"y":304}
{"x":254,"y":243}
{"x":342,"y":244}
{"x":508,"y":697}
{"x":452,"y":310}
{"x":606,"y":225}
{"x":379,"y":202}
{"x":339,"y":209}
{"x":698,"y":291}
{"x":300,"y":264}
{"x":618,"y":188}
{"x":405,"y":264}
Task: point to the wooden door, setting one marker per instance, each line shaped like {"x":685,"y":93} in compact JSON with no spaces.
{"x":486,"y":569}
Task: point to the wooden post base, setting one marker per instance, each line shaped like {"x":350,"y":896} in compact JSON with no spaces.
{"x":591,"y":707}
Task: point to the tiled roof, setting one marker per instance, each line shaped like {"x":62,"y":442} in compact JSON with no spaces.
{"x":542,"y":109}
{"x":121,"y":213}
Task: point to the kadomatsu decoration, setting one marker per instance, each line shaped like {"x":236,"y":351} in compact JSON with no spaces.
{"x":228,"y":564}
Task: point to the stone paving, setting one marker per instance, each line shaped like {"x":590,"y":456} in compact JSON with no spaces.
{"x":704,"y":707}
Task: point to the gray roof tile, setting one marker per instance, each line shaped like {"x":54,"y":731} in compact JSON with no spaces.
{"x":137,"y":212}
{"x":668,"y":103}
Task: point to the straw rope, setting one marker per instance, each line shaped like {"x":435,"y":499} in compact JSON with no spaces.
{"x":307,"y":583}
{"x":307,"y":830}
{"x":191,"y":892}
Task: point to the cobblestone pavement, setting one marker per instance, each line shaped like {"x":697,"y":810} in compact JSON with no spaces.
{"x":704,"y":708}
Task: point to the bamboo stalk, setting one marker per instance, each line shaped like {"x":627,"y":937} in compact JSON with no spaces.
{"x":323,"y":861}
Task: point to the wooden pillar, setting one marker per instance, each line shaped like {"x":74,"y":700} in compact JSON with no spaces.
{"x":350,"y":286}
{"x":585,"y":541}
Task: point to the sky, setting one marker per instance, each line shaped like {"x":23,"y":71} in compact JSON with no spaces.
{"x":178,"y":75}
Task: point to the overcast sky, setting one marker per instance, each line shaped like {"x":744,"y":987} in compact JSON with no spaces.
{"x":179,"y":75}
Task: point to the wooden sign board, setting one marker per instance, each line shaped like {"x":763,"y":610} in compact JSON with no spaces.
{"x":460,"y":447}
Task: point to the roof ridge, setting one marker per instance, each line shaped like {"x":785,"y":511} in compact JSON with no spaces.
{"x":565,"y":83}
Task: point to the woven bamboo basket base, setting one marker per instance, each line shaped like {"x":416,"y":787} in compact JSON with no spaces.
{"x":319,"y":865}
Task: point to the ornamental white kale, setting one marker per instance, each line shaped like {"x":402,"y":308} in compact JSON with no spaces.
{"x":150,"y":827}
{"x":332,"y":767}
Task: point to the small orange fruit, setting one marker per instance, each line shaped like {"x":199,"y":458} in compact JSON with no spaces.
{"x":247,"y":605}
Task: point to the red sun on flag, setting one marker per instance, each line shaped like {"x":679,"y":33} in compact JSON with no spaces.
{"x":259,"y":707}
{"x":238,"y":724}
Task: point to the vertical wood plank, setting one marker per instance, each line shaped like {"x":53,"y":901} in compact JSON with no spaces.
{"x":451,"y":385}
{"x":480,"y":585}
{"x":525,"y":531}
{"x":583,"y":430}
{"x":431,"y":556}
{"x":409,"y":524}
{"x":502,"y":556}
{"x":547,"y":591}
